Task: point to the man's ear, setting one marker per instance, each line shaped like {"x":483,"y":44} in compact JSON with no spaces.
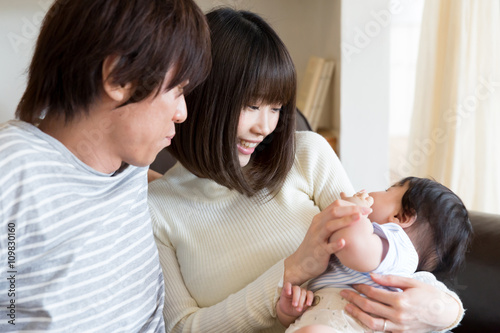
{"x":117,"y":92}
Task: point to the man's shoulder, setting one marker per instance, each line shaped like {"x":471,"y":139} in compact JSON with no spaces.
{"x":16,"y":134}
{"x":20,"y":144}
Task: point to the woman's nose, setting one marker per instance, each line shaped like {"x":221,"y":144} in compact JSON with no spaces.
{"x":262,"y":126}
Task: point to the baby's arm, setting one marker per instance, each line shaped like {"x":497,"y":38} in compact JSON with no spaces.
{"x":363,"y":250}
{"x":292,"y":303}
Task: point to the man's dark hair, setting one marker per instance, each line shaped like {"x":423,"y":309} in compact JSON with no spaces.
{"x":149,"y":37}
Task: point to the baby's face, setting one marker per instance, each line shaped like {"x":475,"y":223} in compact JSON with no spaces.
{"x":387,"y":204}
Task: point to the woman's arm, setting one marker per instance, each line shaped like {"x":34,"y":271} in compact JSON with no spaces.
{"x":420,"y":307}
{"x":254,"y":306}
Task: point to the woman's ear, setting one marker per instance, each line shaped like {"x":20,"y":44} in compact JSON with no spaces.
{"x":117,"y":92}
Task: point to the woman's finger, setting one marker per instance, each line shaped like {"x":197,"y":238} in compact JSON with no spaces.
{"x":336,"y":224}
{"x":333,"y":247}
{"x":341,"y":208}
{"x":395,"y":281}
{"x":379,"y":309}
{"x":377,"y":294}
{"x":373,"y":323}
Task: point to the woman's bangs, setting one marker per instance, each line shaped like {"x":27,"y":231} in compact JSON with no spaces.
{"x":273,"y":82}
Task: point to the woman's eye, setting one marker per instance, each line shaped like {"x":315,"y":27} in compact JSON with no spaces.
{"x":253,"y":107}
{"x":276,"y":109}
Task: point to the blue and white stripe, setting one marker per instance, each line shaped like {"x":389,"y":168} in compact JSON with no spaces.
{"x":85,"y":257}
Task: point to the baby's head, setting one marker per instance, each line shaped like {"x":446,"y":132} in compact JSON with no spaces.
{"x":434,"y":218}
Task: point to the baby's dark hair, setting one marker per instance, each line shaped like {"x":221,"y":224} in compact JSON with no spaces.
{"x":442,"y":219}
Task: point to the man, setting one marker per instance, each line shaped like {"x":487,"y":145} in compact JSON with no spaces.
{"x":106,"y":85}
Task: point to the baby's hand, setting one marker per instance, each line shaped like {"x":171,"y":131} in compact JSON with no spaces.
{"x":360,"y":199}
{"x":293,"y":302}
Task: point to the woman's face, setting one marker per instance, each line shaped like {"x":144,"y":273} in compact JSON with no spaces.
{"x":256,"y":122}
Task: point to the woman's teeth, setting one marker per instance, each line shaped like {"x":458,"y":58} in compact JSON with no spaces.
{"x":247,"y":144}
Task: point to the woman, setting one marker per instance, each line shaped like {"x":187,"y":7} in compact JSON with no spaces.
{"x":233,"y":218}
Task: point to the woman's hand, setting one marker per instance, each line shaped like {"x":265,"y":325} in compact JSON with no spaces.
{"x":418,"y":308}
{"x":313,"y":254}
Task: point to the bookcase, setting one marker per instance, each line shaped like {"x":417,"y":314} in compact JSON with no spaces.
{"x":313,"y":89}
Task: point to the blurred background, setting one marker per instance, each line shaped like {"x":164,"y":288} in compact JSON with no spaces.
{"x":415,"y":88}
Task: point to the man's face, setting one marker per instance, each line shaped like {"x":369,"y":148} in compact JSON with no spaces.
{"x":141,"y":130}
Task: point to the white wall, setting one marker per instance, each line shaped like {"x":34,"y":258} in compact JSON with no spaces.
{"x":19,"y":25}
{"x":364,"y":94}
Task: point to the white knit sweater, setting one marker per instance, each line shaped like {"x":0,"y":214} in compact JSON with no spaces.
{"x":222,"y":252}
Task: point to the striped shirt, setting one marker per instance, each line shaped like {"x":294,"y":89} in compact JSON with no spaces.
{"x":401,"y":259}
{"x":77,"y":252}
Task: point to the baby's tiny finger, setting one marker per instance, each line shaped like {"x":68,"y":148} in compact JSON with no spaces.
{"x":296,"y":296}
{"x":288,"y":288}
{"x":303,"y":295}
{"x":310,"y":297}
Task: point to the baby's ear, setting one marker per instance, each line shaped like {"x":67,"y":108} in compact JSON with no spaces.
{"x":405,"y":220}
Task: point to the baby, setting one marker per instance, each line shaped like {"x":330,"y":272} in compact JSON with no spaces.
{"x":420,"y":226}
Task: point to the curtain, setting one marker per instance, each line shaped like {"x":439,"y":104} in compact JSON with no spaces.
{"x":455,"y":132}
